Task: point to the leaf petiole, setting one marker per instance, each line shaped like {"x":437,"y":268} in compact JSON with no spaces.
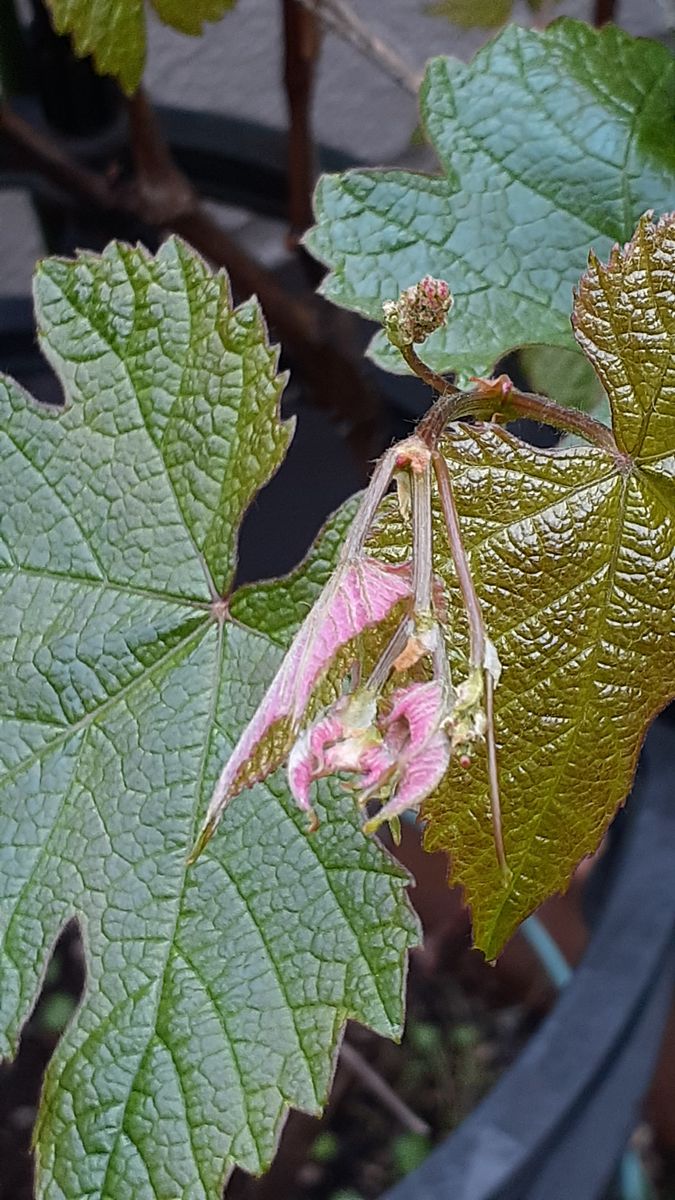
{"x":478,"y":643}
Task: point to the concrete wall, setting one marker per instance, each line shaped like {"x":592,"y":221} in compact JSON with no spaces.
{"x":236,"y":68}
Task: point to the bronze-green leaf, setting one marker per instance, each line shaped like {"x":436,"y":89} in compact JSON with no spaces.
{"x":574,"y":558}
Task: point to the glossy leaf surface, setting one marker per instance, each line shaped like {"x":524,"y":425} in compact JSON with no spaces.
{"x":574,"y":559}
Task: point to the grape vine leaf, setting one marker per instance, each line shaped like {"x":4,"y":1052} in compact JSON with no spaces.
{"x":215,"y":997}
{"x":113,"y":31}
{"x":588,"y":146}
{"x":573,"y":553}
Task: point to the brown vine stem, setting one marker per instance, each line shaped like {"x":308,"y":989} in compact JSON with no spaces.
{"x":340,"y":18}
{"x":373,"y":1081}
{"x":604,"y":11}
{"x":40,"y":153}
{"x":477,"y":643}
{"x":162,"y":196}
{"x":499,"y":397}
{"x":302,"y":43}
{"x":159,"y":189}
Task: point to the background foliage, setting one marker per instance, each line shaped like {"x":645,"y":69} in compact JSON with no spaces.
{"x":549,"y":143}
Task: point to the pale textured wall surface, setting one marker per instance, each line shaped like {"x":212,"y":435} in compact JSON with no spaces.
{"x":236,"y":69}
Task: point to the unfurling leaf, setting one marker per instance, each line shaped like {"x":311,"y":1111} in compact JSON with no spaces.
{"x":360,"y":595}
{"x":215,"y":996}
{"x":393,"y":742}
{"x":573,"y":554}
{"x":549,"y":143}
{"x":113,"y":31}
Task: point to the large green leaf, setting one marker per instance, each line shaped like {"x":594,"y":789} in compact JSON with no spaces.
{"x":573,"y":553}
{"x":113,"y":31}
{"x":549,"y":142}
{"x":215,"y":997}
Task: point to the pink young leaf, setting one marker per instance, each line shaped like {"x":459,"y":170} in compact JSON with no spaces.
{"x":361,"y":593}
{"x":403,"y":754}
{"x":414,"y":734}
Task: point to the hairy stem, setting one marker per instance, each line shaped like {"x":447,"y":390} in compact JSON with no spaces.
{"x":426,"y":374}
{"x":500,"y":398}
{"x":470,"y":599}
{"x":376,"y":490}
{"x":397,"y":642}
{"x":423,"y":573}
{"x":451,"y":406}
{"x":512,"y":405}
{"x":423,"y":569}
{"x":493,"y":777}
{"x":547,"y":412}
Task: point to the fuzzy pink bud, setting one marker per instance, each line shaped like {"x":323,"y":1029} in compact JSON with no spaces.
{"x":418,"y":312}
